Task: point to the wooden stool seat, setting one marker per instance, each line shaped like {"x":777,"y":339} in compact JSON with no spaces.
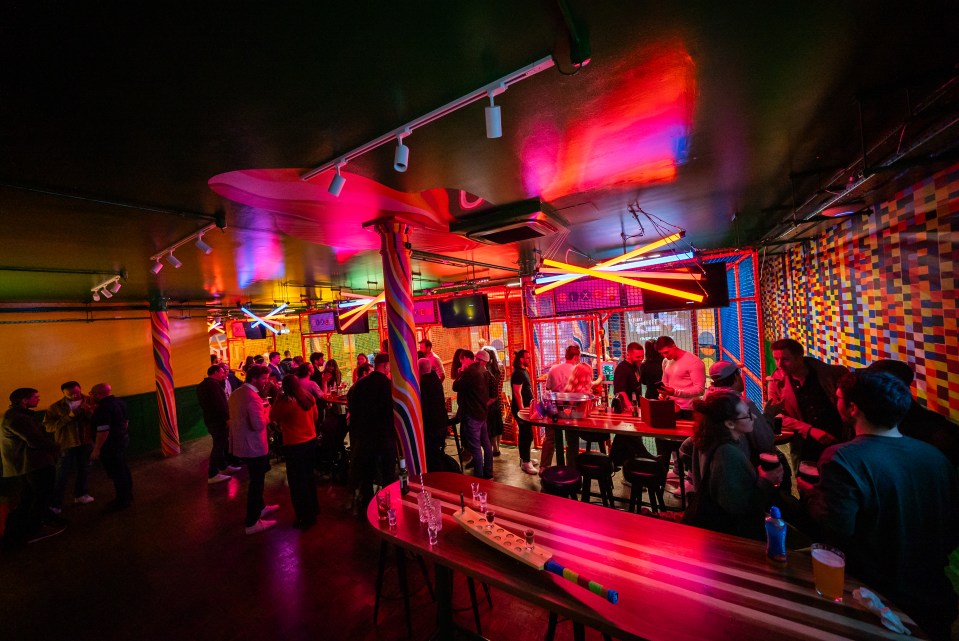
{"x":561,"y":480}
{"x":645,"y":474}
{"x":599,"y":467}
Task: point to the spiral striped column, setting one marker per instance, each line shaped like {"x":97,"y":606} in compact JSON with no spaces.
{"x":397,"y":273}
{"x":166,"y":404}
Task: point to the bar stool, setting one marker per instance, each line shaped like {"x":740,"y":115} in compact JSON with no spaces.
{"x":561,"y":480}
{"x":401,"y":576}
{"x":645,"y":474}
{"x":592,"y":437}
{"x":579,"y":630}
{"x":599,"y":467}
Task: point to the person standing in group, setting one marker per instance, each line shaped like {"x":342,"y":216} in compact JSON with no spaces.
{"x":304,"y":373}
{"x":295,"y":412}
{"x":890,"y":502}
{"x":28,"y":453}
{"x":286,"y":365}
{"x":216,"y":416}
{"x":361,"y":360}
{"x":372,"y":433}
{"x":435,"y":420}
{"x":803,"y":390}
{"x":426,"y":346}
{"x":112,"y":424}
{"x":522,"y":387}
{"x":651,"y":370}
{"x":456,"y":366}
{"x":472,"y":387}
{"x":69,"y":421}
{"x":248,"y":433}
{"x":626,"y":385}
{"x":274,"y":364}
{"x":684,"y":376}
{"x":556,"y":382}
{"x":494,"y":420}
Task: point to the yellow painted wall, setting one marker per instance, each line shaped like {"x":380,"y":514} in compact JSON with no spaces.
{"x":44,"y":350}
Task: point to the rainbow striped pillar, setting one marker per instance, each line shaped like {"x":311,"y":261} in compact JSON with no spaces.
{"x":166,"y":405}
{"x":397,"y":272}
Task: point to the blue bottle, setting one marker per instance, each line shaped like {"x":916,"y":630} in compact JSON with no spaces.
{"x":775,"y":537}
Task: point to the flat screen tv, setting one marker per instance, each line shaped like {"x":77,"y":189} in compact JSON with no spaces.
{"x":713,"y":286}
{"x":322,"y":322}
{"x":361,"y":326}
{"x":465,"y":311}
{"x":424,"y":312}
{"x":254,"y":332}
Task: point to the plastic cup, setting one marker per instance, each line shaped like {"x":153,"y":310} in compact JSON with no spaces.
{"x":383,"y":504}
{"x":829,"y":571}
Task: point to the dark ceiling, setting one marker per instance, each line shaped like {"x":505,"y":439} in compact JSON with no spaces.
{"x":695,"y":112}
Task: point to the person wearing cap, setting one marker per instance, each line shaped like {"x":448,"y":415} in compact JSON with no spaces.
{"x":726,"y":375}
{"x":426,"y":346}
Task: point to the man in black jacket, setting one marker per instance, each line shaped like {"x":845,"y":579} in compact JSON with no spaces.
{"x":30,"y":454}
{"x":435,"y":418}
{"x":372,"y":433}
{"x":473,"y":397}
{"x":216,"y":414}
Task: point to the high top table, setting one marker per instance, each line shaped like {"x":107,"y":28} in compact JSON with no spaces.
{"x":675,"y":582}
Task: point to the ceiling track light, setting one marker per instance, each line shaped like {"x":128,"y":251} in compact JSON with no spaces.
{"x":401,"y":158}
{"x":195,"y":236}
{"x":494,"y":120}
{"x":337,"y":182}
{"x":106,"y":289}
{"x":496,"y":87}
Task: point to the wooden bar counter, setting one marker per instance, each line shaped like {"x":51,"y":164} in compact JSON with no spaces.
{"x":675,"y":582}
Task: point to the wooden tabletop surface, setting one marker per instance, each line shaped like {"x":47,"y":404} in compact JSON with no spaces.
{"x":674,"y":581}
{"x":614,"y":424}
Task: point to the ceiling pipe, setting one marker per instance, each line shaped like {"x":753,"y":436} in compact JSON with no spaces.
{"x":460,"y":262}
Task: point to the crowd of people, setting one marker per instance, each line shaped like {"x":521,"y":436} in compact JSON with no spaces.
{"x":43,"y":458}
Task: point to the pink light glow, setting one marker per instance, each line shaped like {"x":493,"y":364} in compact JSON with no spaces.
{"x":633,"y":132}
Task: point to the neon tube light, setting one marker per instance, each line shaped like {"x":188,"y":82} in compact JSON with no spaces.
{"x":582,"y":271}
{"x":259,"y":320}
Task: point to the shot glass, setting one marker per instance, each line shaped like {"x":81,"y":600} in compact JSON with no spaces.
{"x":391,"y":517}
{"x":383,"y":503}
{"x":481,"y":497}
{"x":528,"y":534}
{"x":433,"y":532}
{"x":474,"y":486}
{"x":490,"y":517}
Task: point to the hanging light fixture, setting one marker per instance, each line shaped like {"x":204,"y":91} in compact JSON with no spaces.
{"x":337,"y":182}
{"x":494,"y":120}
{"x":174,"y":261}
{"x":401,"y":157}
{"x":203,"y":247}
{"x":107,"y":288}
{"x":201,"y":244}
{"x":157,"y":266}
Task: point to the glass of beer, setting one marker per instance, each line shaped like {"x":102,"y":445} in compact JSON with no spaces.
{"x":829,"y":570}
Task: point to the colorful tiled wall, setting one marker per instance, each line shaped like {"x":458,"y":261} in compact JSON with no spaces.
{"x":882,"y":286}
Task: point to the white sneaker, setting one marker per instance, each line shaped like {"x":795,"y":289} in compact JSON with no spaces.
{"x":674,"y":489}
{"x":84,"y":500}
{"x":260,"y":526}
{"x":529,"y":468}
{"x":219,"y":478}
{"x":269,"y":509}
{"x":233,"y":468}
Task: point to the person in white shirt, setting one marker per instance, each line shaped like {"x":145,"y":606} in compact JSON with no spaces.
{"x":556,"y":382}
{"x":684,"y":376}
{"x":426,"y":346}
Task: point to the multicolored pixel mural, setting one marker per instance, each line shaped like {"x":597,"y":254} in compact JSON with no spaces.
{"x":882,"y":286}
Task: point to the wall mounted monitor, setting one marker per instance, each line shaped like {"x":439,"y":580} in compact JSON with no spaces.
{"x":424,"y":312}
{"x":713,"y":285}
{"x":465,"y":311}
{"x":322,"y":322}
{"x":361,"y":326}
{"x":254,"y":333}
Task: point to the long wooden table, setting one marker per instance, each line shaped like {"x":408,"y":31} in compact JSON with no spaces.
{"x":675,"y":582}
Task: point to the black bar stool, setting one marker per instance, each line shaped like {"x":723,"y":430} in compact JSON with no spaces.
{"x":401,"y":576}
{"x":561,"y":480}
{"x":645,"y":474}
{"x":598,"y":467}
{"x":579,"y":630}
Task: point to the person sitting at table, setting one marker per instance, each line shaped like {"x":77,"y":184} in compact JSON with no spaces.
{"x":361,"y":360}
{"x":726,"y":375}
{"x":890,"y":502}
{"x":732,"y":494}
{"x":294,"y":411}
{"x":435,"y":418}
{"x":651,"y":370}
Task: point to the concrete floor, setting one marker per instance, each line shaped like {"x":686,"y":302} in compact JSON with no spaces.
{"x":177,"y":565}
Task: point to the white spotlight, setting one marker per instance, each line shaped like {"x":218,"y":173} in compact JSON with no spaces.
{"x":115,"y":287}
{"x":156,"y":267}
{"x":402,"y":156}
{"x":494,"y":121}
{"x":202,"y":246}
{"x":106,"y":292}
{"x":336,"y":184}
{"x":173,"y":260}
{"x":96,"y":297}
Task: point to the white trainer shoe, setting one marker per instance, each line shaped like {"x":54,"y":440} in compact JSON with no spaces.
{"x":529,"y":468}
{"x":269,"y":509}
{"x":219,"y":478}
{"x":233,"y":468}
{"x":84,"y":500}
{"x":260,"y":526}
